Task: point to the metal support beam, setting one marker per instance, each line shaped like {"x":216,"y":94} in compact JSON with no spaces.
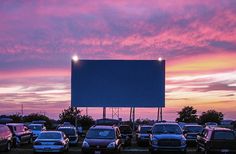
{"x":104,"y":113}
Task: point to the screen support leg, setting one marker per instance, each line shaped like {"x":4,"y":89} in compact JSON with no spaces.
{"x":104,"y":113}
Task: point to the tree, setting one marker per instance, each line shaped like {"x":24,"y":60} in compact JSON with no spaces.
{"x":211,"y":116}
{"x":188,"y":114}
{"x":36,"y":116}
{"x":17,"y":118}
{"x":86,"y":121}
{"x":69,"y":115}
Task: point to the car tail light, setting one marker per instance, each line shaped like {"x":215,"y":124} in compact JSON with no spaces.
{"x":58,"y":143}
{"x":37,"y":143}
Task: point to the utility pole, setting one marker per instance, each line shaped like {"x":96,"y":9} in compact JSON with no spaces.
{"x":22,"y":109}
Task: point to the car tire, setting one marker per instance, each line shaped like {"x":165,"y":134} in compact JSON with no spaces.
{"x":8,"y":146}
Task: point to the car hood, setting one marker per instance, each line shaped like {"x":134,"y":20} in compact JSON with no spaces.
{"x":168,"y":136}
{"x":37,"y":132}
{"x":99,"y":142}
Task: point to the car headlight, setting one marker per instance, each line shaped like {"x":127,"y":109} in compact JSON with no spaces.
{"x":85,"y":144}
{"x":183,"y":142}
{"x":111,"y":145}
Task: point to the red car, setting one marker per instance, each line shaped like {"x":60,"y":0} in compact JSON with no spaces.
{"x":5,"y":138}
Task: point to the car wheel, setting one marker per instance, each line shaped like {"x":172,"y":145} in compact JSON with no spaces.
{"x":30,"y":140}
{"x":8,"y":146}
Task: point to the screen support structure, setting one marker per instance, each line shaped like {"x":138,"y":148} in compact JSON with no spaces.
{"x":104,"y":113}
{"x":159,"y":114}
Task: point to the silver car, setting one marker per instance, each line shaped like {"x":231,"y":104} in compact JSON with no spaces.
{"x":51,"y":141}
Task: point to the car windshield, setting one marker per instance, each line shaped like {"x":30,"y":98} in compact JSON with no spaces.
{"x":166,"y":129}
{"x":145,"y":129}
{"x":125,"y":129}
{"x":68,"y":131}
{"x":224,"y":135}
{"x":35,"y":127}
{"x":50,"y":135}
{"x":195,"y":129}
{"x":100,"y":134}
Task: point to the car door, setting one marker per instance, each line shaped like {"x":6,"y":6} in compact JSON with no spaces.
{"x":202,"y":138}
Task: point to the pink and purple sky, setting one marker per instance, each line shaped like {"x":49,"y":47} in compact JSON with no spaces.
{"x":197,"y":39}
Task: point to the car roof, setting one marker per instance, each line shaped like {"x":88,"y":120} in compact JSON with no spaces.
{"x":192,"y":125}
{"x":166,"y":123}
{"x":102,"y":127}
{"x":52,"y":132}
{"x":219,"y":129}
{"x":36,"y":124}
{"x":14,"y":124}
{"x":66,"y":127}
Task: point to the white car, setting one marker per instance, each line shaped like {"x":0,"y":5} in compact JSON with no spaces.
{"x":36,"y":129}
{"x":51,"y":141}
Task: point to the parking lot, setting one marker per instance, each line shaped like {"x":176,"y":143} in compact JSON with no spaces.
{"x":27,"y":149}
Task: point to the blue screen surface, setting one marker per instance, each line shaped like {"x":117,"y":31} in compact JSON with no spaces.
{"x":118,"y":83}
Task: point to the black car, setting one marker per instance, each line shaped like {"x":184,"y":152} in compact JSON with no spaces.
{"x":191,"y":132}
{"x":21,"y":134}
{"x":142,"y":135}
{"x":102,"y":139}
{"x":215,"y":139}
{"x":71,"y":133}
{"x":5,"y":138}
{"x":126,"y":133}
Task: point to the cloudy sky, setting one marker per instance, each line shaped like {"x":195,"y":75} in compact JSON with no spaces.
{"x":197,"y":39}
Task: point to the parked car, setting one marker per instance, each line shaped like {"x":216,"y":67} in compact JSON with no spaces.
{"x":215,"y":139}
{"x":21,"y":134}
{"x":126,"y":134}
{"x":51,"y":141}
{"x":36,"y":129}
{"x":5,"y":138}
{"x":107,"y":122}
{"x":167,"y":137}
{"x":71,"y":133}
{"x":100,"y":139}
{"x":211,"y":124}
{"x":191,"y":131}
{"x":142,"y":135}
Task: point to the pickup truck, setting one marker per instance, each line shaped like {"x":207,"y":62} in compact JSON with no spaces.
{"x":217,"y":139}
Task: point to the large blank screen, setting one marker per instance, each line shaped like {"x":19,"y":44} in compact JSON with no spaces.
{"x":118,"y":83}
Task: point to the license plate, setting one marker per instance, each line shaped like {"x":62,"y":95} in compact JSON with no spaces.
{"x":224,"y":150}
{"x":97,"y":152}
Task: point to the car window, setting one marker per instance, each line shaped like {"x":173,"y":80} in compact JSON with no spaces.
{"x":223,"y":135}
{"x":166,"y":129}
{"x":125,"y":129}
{"x":101,"y":134}
{"x":20,"y":128}
{"x":35,"y":127}
{"x":49,"y":135}
{"x":145,"y":129}
{"x":195,"y":129}
{"x":68,"y":131}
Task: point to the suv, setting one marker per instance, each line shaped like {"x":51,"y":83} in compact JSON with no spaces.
{"x":36,"y":129}
{"x":167,"y":137}
{"x":142,"y":136}
{"x":191,"y":132}
{"x":71,"y":133}
{"x":101,"y":139}
{"x":5,"y":138}
{"x":126,"y":134}
{"x":216,"y":140}
{"x":21,"y":134}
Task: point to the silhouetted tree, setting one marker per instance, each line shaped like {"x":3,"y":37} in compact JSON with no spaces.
{"x":211,"y":116}
{"x":16,"y":118}
{"x":86,"y":121}
{"x":69,"y":115}
{"x":36,"y":116}
{"x":188,"y":114}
